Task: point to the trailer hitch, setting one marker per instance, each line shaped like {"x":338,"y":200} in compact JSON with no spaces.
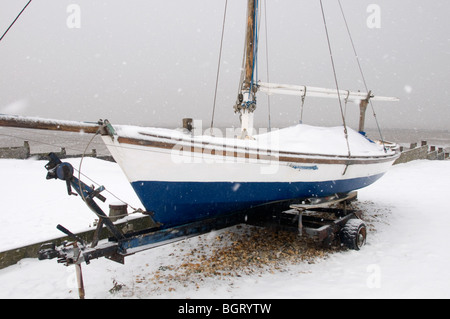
{"x":49,"y":250}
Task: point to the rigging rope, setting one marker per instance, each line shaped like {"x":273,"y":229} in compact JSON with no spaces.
{"x":81,"y":189}
{"x":10,"y":26}
{"x":361,"y":71}
{"x":218,"y":65}
{"x":267,"y":60}
{"x":335,"y":77}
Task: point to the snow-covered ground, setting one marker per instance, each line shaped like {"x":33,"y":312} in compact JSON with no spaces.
{"x":407,"y":254}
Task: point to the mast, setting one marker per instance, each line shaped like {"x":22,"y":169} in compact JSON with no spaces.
{"x":246,"y":103}
{"x":250,"y":45}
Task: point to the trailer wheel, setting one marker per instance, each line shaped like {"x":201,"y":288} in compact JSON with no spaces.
{"x":353,"y":234}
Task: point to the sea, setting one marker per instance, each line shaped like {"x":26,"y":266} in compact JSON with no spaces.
{"x":42,"y":141}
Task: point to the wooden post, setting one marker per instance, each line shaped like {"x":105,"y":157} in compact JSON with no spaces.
{"x":187,"y":124}
{"x":26,"y":145}
{"x":362,"y":112}
{"x":117,"y":211}
{"x":80,"y":283}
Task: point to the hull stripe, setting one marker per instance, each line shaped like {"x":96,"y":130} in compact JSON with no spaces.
{"x":280,"y":155}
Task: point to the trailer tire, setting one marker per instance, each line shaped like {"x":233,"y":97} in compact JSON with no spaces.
{"x":353,"y":234}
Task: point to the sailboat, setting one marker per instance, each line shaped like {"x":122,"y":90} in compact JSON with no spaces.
{"x":184,"y":177}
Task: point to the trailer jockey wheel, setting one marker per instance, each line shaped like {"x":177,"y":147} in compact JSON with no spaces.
{"x":353,"y":234}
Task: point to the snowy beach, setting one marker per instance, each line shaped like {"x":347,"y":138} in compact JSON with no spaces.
{"x":406,"y":256}
{"x":156,"y":82}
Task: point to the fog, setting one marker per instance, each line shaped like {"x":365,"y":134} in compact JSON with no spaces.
{"x":153,"y":62}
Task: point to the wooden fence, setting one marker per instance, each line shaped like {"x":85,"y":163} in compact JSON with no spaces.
{"x":24,"y":152}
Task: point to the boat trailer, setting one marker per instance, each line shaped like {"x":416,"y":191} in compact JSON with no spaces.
{"x":327,"y":219}
{"x":305,"y":218}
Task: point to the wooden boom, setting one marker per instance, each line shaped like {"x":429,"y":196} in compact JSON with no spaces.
{"x":308,"y":91}
{"x":48,"y":124}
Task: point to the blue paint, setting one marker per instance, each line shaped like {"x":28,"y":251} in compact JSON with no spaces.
{"x":177,"y":203}
{"x":299,"y":167}
{"x":365,"y":135}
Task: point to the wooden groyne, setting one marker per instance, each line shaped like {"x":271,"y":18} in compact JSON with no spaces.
{"x":17,"y":152}
{"x":424,"y":151}
{"x":12,"y":256}
{"x":24,"y":152}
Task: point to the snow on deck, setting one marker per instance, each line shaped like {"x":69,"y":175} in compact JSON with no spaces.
{"x":301,"y":138}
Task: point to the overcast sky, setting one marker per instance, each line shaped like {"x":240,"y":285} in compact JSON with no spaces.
{"x":153,"y":62}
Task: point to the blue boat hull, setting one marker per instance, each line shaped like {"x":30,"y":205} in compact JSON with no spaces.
{"x":178,"y":203}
